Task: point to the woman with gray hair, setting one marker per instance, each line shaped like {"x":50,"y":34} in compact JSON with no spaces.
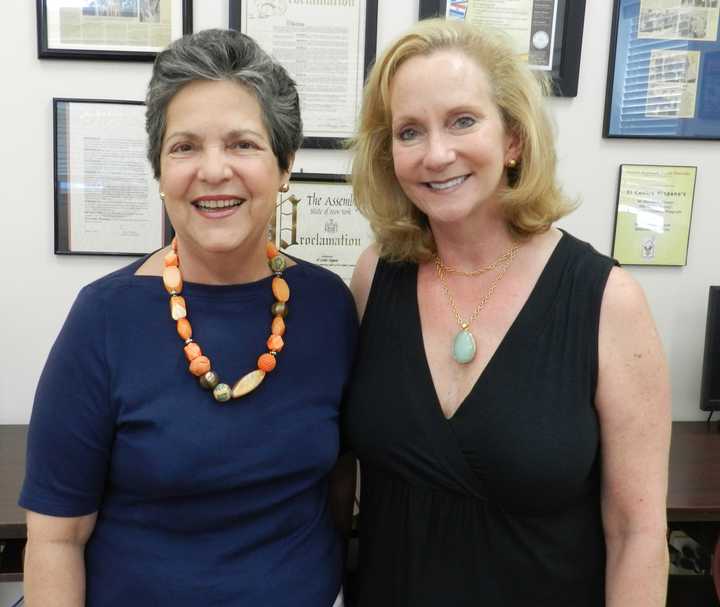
{"x":178,"y":464}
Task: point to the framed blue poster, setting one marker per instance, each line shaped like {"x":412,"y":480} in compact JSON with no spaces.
{"x":664,"y":70}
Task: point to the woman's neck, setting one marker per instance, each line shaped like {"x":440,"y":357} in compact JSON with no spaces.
{"x":244,"y":264}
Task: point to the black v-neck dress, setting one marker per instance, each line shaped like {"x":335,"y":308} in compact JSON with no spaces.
{"x":498,"y":506}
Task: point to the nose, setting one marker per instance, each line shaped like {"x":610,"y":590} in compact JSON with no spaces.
{"x":440,"y":151}
{"x":214,"y":166}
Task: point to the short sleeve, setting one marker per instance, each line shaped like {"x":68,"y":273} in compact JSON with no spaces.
{"x":72,"y":423}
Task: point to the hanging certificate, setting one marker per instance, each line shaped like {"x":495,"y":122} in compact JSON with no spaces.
{"x":106,"y":197}
{"x":327,"y":46}
{"x":317,"y":221}
{"x":545,"y":33}
{"x":134,"y":30}
{"x":654,"y":209}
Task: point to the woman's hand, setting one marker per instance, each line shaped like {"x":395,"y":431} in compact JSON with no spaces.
{"x":633,"y":404}
{"x":55,"y":561}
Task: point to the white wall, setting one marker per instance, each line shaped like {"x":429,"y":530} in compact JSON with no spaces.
{"x":39,"y":287}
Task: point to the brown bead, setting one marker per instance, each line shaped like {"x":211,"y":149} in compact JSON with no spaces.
{"x":184,"y":329}
{"x":279,"y":308}
{"x":171,"y":259}
{"x":275,"y":343}
{"x":178,"y":308}
{"x":172,"y":279}
{"x":209,"y":380}
{"x":278,"y":326}
{"x":280,"y":289}
{"x":266,"y":362}
{"x":248,"y":383}
{"x":192,"y":351}
{"x":200,"y":365}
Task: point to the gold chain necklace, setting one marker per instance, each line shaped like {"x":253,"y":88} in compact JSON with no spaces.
{"x":464,"y":346}
{"x":503,"y":258}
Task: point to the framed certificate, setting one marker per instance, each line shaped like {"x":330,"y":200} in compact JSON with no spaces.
{"x":654,"y":209}
{"x":131,"y":30}
{"x":327,"y":47}
{"x":546,"y":33}
{"x":106,"y":197}
{"x":664,"y":70}
{"x":316,"y":220}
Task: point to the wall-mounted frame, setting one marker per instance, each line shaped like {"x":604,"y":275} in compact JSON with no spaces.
{"x":317,"y":220}
{"x":327,"y":47}
{"x":653,"y":214}
{"x":106,"y":197}
{"x":547,"y":32}
{"x":126,"y":30}
{"x":664,"y":70}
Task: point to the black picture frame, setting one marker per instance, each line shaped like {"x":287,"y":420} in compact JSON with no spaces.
{"x":47,"y":52}
{"x":62,"y":186}
{"x":370,"y":44}
{"x":654,"y":83}
{"x":568,"y":41}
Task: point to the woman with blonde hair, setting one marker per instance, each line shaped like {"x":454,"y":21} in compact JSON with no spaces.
{"x":510,"y":400}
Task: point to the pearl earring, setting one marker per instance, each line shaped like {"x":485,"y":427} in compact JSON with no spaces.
{"x":512,"y":163}
{"x":285,"y":188}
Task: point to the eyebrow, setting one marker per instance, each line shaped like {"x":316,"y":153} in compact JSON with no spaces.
{"x":231,"y":135}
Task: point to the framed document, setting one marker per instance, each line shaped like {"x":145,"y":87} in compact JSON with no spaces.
{"x":546,"y":33}
{"x":327,"y":47}
{"x":106,"y":198}
{"x":664,"y":70}
{"x":316,"y":220}
{"x":654,"y":209}
{"x":131,"y":30}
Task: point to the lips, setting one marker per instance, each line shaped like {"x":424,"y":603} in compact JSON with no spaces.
{"x":213,"y":204}
{"x":447,"y":184}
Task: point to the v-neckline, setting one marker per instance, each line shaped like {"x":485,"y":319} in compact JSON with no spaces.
{"x":502,"y":345}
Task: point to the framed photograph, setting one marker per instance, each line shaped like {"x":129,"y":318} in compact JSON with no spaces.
{"x":546,"y":33}
{"x":654,"y":210}
{"x":664,"y":70}
{"x":316,"y":220}
{"x":106,"y":197}
{"x":327,"y":47}
{"x":129,"y":30}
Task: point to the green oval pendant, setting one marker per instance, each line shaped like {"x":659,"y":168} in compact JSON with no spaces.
{"x":464,"y":347}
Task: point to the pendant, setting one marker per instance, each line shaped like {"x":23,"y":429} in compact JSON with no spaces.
{"x":464,"y":348}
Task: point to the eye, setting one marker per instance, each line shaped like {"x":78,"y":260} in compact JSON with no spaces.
{"x":407,"y":134}
{"x":464,"y":122}
{"x":243,"y":145}
{"x":181,"y":148}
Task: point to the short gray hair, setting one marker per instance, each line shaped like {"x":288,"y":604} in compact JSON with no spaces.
{"x":217,"y":54}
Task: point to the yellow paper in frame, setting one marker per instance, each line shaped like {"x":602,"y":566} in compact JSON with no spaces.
{"x":652,"y":225}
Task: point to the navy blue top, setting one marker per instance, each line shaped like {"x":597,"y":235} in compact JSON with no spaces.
{"x":198,"y":503}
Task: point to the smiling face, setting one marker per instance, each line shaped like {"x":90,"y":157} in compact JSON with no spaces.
{"x":449,"y":143}
{"x":217,"y":168}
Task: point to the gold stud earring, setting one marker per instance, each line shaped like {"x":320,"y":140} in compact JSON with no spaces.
{"x":162,"y":195}
{"x":285,"y":188}
{"x":512,"y":163}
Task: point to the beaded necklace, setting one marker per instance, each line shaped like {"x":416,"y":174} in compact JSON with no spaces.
{"x":200,"y":365}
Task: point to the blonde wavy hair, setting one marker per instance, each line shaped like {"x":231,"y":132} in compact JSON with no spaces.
{"x":532,"y":201}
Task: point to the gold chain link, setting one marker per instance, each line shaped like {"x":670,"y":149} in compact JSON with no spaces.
{"x":441,"y":271}
{"x":504,"y":257}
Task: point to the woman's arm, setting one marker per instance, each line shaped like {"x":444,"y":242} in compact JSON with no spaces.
{"x":362,"y":278}
{"x":54,"y":573}
{"x":633,"y":404}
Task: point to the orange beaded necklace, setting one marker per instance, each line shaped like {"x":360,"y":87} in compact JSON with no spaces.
{"x":199,"y":364}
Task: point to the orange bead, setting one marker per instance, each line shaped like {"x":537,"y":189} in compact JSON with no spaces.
{"x":275,"y":343}
{"x":266,"y":362}
{"x":172,"y":279}
{"x":278,"y":326}
{"x":178,"y":309}
{"x":192,"y":351}
{"x":171,"y":259}
{"x":271,"y":250}
{"x":280,"y":289}
{"x":200,"y":366}
{"x":184,"y":329}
